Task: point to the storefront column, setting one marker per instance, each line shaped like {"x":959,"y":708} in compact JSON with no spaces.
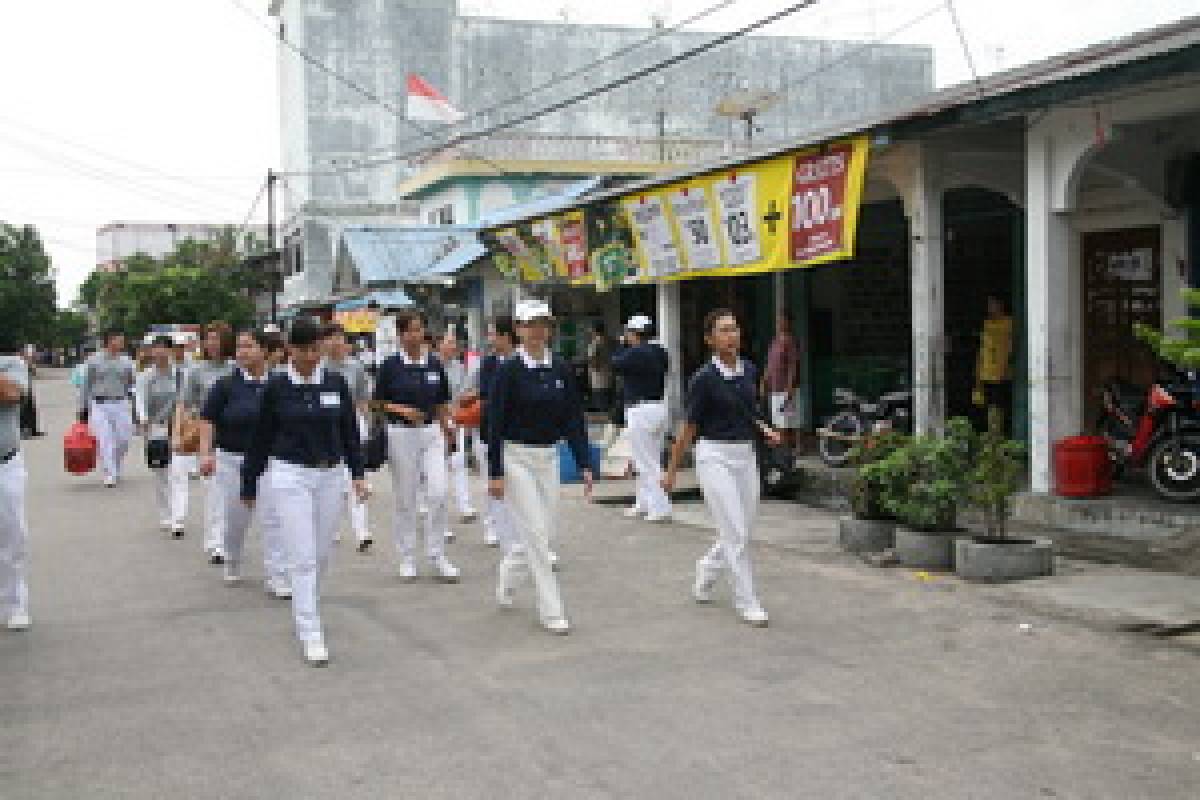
{"x":1054,"y":150}
{"x":670,"y":334}
{"x":928,"y":294}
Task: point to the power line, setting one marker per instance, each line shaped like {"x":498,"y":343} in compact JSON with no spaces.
{"x":352,"y":84}
{"x":250,"y":214}
{"x":605,"y":88}
{"x":622,"y":51}
{"x":962,"y":39}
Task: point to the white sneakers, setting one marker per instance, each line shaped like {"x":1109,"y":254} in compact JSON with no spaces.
{"x":444,"y":570}
{"x":450,"y":536}
{"x":469,"y":515}
{"x":702,"y":589}
{"x":177,"y":531}
{"x":553,"y":559}
{"x":109,"y":482}
{"x":364,"y":543}
{"x":233,"y":573}
{"x":659,"y":519}
{"x":315,"y":653}
{"x":408,"y":569}
{"x":505,"y":594}
{"x":754,"y":615}
{"x":490,"y":538}
{"x":633,"y":512}
{"x":277,"y":587}
{"x":19,"y":621}
{"x":559,"y":626}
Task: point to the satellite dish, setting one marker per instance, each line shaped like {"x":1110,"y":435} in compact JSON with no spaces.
{"x":746,"y":104}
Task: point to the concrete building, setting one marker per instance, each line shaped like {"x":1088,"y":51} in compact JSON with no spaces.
{"x":329,"y":130}
{"x":118,"y":241}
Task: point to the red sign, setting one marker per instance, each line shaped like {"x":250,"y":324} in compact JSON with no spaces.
{"x":574,"y":242}
{"x":819,"y":202}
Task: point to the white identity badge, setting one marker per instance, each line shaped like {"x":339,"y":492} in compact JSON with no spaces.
{"x":330,"y":399}
{"x":433,"y":377}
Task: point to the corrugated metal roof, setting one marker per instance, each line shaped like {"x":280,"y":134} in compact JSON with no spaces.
{"x":1180,"y":35}
{"x":387,"y":256}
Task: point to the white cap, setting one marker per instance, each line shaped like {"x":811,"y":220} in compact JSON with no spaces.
{"x":270,"y":327}
{"x":529,"y":310}
{"x":639,"y":323}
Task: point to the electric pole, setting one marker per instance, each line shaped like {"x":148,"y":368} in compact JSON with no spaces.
{"x":273,"y":254}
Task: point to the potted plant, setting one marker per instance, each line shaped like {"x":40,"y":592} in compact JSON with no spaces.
{"x":996,"y":475}
{"x":923,"y":485}
{"x":870,"y":528}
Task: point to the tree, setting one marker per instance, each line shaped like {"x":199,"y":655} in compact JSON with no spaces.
{"x":70,"y":328}
{"x":27,"y":297}
{"x":199,"y":282}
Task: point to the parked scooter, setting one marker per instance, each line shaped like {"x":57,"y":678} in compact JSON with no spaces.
{"x":859,"y":418}
{"x":1159,"y":430}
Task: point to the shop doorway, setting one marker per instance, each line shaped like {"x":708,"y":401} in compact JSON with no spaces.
{"x":1122,"y":286}
{"x":751,"y":298}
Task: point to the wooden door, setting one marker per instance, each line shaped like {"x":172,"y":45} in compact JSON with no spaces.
{"x":1122,"y":286}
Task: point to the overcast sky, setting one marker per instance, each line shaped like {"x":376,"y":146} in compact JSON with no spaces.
{"x":147,"y":110}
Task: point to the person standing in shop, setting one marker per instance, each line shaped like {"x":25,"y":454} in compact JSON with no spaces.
{"x":642,"y":365}
{"x":413,"y":391}
{"x":723,"y":420}
{"x":156,"y":394}
{"x":218,"y":347}
{"x":532,"y":406}
{"x":306,"y":434}
{"x":14,"y":527}
{"x":338,"y":359}
{"x":599,"y":366}
{"x":105,"y":404}
{"x":230,"y":414}
{"x":993,"y":366}
{"x":780,"y":379}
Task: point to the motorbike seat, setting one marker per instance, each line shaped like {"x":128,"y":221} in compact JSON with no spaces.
{"x":1129,"y":398}
{"x":896,"y":397}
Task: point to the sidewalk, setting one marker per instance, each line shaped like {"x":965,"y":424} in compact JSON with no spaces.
{"x":1104,"y":596}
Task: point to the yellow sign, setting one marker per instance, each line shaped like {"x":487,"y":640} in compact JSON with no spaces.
{"x":361,"y":320}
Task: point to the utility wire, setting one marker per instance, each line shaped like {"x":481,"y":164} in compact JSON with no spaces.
{"x":962,"y":39}
{"x":352,"y":84}
{"x":237,"y":237}
{"x":605,"y":88}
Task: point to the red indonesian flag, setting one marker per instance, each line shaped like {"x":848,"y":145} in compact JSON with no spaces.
{"x":427,"y":104}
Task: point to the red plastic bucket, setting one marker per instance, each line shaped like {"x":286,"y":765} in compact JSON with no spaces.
{"x":1082,"y":467}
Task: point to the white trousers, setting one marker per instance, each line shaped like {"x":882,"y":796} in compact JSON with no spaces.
{"x":309,"y":503}
{"x":532,"y":486}
{"x":171,"y":491}
{"x":275,"y":560}
{"x":14,"y":539}
{"x":214,"y":515}
{"x":728,"y":475}
{"x":112,"y":425}
{"x":647,"y":435}
{"x":236,"y":515}
{"x":497,"y":516}
{"x":358,"y":509}
{"x":458,"y":471}
{"x":414,"y":453}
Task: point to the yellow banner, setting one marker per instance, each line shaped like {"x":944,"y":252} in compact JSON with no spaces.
{"x":362,"y":320}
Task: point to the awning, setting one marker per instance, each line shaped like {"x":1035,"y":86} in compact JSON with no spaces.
{"x":385,"y":257}
{"x":385,"y":299}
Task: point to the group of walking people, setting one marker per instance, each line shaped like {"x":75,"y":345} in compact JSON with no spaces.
{"x":282,"y":430}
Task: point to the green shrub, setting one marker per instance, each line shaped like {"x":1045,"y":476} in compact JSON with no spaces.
{"x":923,"y":482}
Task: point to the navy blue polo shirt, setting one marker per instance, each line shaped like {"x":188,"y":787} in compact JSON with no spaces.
{"x":421,"y":384}
{"x":644,"y":369}
{"x":722,"y":406}
{"x":535,"y":403}
{"x":304,"y":423}
{"x":232,"y":407}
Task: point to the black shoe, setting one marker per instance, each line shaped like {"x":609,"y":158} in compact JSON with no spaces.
{"x":177,"y":533}
{"x":365,"y":545}
{"x":216,"y":559}
{"x":38,"y":434}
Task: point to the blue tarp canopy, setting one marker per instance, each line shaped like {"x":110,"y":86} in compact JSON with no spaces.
{"x":394,"y":255}
{"x":387,"y":299}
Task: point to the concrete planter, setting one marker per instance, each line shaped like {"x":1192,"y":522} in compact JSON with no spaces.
{"x":926,"y":549}
{"x":982,"y":558}
{"x":866,"y":535}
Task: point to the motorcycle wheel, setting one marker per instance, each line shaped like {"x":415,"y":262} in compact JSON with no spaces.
{"x":1174,"y":469}
{"x":836,"y":451}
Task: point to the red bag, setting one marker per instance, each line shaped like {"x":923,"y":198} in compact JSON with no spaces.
{"x":79,"y":449}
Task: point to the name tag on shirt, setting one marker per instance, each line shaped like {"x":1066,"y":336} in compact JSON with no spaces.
{"x":558,"y":384}
{"x":432,"y":377}
{"x":330,"y":399}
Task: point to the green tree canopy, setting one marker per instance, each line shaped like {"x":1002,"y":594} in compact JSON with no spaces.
{"x":27,"y":296}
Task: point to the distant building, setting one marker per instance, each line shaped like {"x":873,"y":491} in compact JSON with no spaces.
{"x":118,"y":241}
{"x":328,"y":129}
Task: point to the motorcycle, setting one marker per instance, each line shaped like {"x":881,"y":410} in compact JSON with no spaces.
{"x":1158,"y":430}
{"x":858,"y":418}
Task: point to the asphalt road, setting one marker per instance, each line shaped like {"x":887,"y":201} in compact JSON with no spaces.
{"x":145,"y":677}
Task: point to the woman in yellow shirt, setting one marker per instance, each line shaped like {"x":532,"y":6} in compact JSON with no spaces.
{"x":993,"y":368}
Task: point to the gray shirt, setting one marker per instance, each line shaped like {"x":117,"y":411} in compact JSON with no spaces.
{"x":156,"y":394}
{"x":200,"y":378}
{"x":456,"y":374}
{"x":106,"y":376}
{"x":16,"y":370}
{"x":356,"y":377}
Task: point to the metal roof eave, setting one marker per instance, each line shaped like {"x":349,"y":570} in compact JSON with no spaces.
{"x":1006,"y":93}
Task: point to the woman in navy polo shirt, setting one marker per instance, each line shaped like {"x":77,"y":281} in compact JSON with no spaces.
{"x":414,"y":393}
{"x":533,"y":405}
{"x":231,"y":413}
{"x":307,"y":430}
{"x":722,"y":418}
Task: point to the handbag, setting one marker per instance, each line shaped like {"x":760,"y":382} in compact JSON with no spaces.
{"x":375,"y":450}
{"x":158,"y":453}
{"x":189,"y":436}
